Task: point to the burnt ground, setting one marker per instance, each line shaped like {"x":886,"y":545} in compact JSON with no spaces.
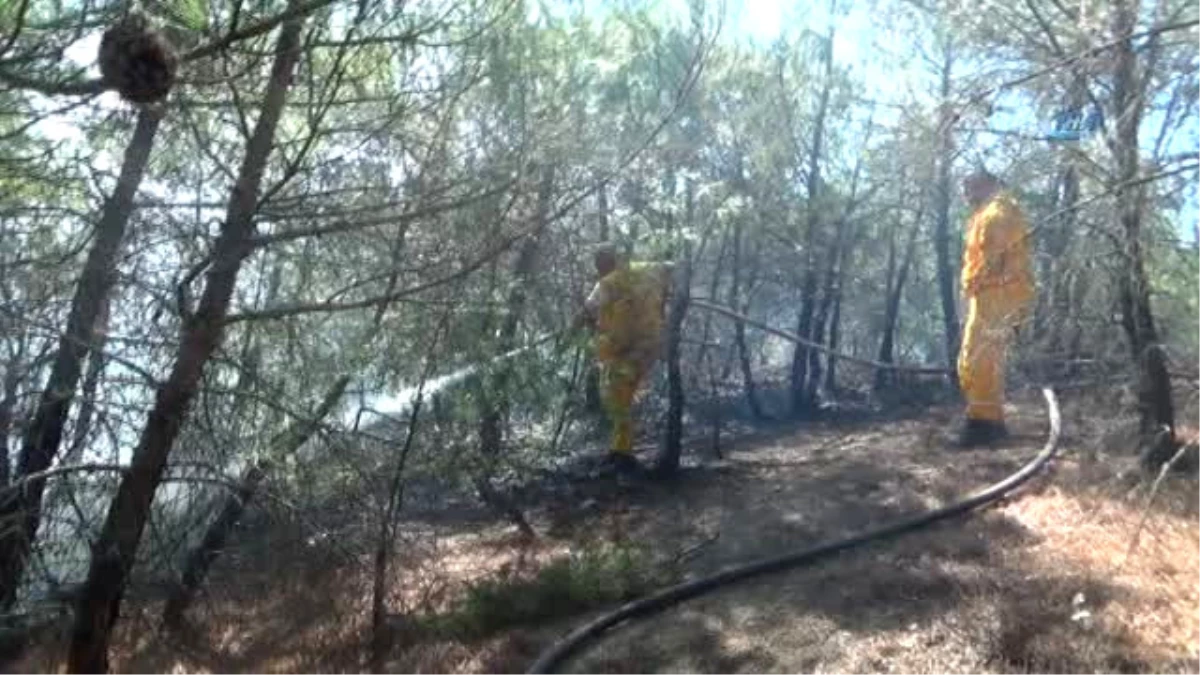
{"x":1047,"y":581}
{"x":1037,"y":584}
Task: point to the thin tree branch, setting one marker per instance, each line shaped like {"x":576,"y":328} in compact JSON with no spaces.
{"x":363,"y":223}
{"x":106,"y":468}
{"x":695,"y":68}
{"x":979,"y":97}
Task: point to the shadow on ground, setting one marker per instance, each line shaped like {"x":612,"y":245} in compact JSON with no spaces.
{"x":968,"y":595}
{"x":986,"y":594}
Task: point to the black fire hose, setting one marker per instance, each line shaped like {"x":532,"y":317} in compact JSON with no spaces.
{"x":657,"y":602}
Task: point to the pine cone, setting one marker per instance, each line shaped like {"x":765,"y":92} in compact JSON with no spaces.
{"x":137,"y":61}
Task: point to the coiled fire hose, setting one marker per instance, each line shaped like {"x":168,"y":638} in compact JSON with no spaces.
{"x":591,"y":632}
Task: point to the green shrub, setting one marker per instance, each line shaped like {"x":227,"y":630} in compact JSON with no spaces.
{"x":579,"y":582}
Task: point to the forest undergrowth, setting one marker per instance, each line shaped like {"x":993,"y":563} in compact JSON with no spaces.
{"x":1073,"y":574}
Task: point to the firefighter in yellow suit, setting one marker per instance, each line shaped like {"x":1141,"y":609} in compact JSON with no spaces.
{"x":997,"y":284}
{"x":626,"y":308}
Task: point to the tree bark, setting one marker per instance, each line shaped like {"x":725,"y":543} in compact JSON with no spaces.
{"x":946,"y":270}
{"x":821,"y":319}
{"x":800,"y":357}
{"x":91,"y":382}
{"x":706,"y":355}
{"x":714,"y":286}
{"x":891,"y":312}
{"x":114,"y":552}
{"x":21,"y":512}
{"x":1058,"y":313}
{"x":835,"y":337}
{"x":835,"y":321}
{"x":735,"y":301}
{"x":739,"y":327}
{"x":844,"y":240}
{"x":8,"y":404}
{"x":667,"y":462}
{"x":829,"y":313}
{"x":87,"y":412}
{"x":1156,"y":409}
{"x":286,"y":443}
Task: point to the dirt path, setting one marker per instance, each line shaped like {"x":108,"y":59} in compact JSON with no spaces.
{"x":1037,"y":584}
{"x":1031,"y":585}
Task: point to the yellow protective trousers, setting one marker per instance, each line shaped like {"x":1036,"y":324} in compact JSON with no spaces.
{"x":621,"y":380}
{"x":982,"y":359}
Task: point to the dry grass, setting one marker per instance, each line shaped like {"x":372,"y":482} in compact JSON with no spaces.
{"x":1034,"y":585}
{"x":1045,"y":582}
{"x":1153,"y":598}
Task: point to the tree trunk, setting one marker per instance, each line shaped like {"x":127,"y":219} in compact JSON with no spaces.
{"x":883,"y":377}
{"x":667,"y":462}
{"x":820,"y":321}
{"x":87,"y":412}
{"x":1156,"y":410}
{"x":1057,"y":307}
{"x":91,"y":382}
{"x":743,"y":352}
{"x":114,"y":552}
{"x":800,"y":356}
{"x":387,"y":529}
{"x":804,"y":326}
{"x":706,"y":353}
{"x":1056,"y":310}
{"x":495,"y":394}
{"x":593,"y":403}
{"x":835,"y":322}
{"x":202,"y":557}
{"x":946,"y":271}
{"x":829,"y":313}
{"x":891,"y":312}
{"x":285,"y":444}
{"x":45,"y":431}
{"x":835,"y":336}
{"x":735,"y":301}
{"x":8,"y":404}
{"x":830,"y":296}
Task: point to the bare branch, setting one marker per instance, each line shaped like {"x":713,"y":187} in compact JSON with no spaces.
{"x":122,"y":469}
{"x":979,"y":97}
{"x":256,"y":29}
{"x":390,"y":219}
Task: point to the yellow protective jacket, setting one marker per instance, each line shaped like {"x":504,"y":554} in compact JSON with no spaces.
{"x":628,"y":308}
{"x":996,"y":258}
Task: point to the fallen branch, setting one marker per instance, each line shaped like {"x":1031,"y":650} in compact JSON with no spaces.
{"x":1162,"y":474}
{"x":695,"y":548}
{"x":779,"y":332}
